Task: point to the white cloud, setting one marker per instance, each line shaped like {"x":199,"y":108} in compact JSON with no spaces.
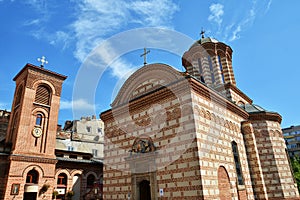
{"x":60,"y":37}
{"x":79,"y":104}
{"x":32,"y":22}
{"x":217,"y":11}
{"x":235,"y":34}
{"x":97,"y":20}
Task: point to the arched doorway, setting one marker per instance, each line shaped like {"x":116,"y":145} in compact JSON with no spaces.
{"x":224,"y":184}
{"x":31,"y":186}
{"x":145,"y":192}
{"x":62,"y":180}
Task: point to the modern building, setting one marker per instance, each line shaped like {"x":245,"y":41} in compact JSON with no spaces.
{"x":193,"y":135}
{"x":292,"y":138}
{"x":38,"y":160}
{"x":4,"y":119}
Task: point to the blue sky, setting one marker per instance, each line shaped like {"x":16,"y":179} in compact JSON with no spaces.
{"x":264,"y":35}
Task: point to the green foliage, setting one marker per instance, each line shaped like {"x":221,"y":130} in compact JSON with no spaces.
{"x":295,"y":162}
{"x":55,"y":194}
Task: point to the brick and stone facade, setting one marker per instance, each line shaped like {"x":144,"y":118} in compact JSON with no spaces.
{"x":193,"y":135}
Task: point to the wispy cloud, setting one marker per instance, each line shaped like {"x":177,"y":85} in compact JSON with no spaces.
{"x":98,"y":20}
{"x":216,"y":13}
{"x":233,"y":21}
{"x":269,"y":6}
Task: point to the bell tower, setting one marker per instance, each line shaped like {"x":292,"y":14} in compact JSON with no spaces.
{"x":31,"y":133}
{"x":32,"y":127}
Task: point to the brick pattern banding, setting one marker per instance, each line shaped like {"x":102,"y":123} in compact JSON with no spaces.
{"x":193,"y":118}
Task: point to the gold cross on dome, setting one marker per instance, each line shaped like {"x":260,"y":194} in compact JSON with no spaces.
{"x":145,"y":55}
{"x":43,"y":61}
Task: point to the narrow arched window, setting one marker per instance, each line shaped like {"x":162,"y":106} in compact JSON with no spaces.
{"x":19,"y":95}
{"x":237,"y":162}
{"x":32,"y":177}
{"x":221,"y":68}
{"x":39,"y":120}
{"x":42,"y":95}
{"x":211,"y":69}
{"x":200,"y":70}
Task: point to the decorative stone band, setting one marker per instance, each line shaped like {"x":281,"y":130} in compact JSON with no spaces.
{"x":270,"y":116}
{"x":32,"y":159}
{"x":215,"y":97}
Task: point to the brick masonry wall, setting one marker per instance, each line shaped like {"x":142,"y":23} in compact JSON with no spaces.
{"x":193,"y":173}
{"x":18,"y":172}
{"x":254,"y":161}
{"x":177,"y":174}
{"x":277,"y":175}
{"x":217,"y":127}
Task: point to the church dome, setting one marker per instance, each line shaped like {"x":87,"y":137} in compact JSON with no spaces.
{"x":205,"y":40}
{"x":209,"y":61}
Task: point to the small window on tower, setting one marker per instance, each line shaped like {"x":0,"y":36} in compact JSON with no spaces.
{"x":200,"y":70}
{"x":221,"y":69}
{"x":211,"y":69}
{"x":39,"y":120}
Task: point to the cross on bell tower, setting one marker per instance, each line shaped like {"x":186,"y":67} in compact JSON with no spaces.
{"x":43,"y":61}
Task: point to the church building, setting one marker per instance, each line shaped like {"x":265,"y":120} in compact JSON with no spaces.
{"x":193,"y":135}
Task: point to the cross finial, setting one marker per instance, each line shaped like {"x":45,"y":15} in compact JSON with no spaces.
{"x":145,"y":55}
{"x":202,"y":33}
{"x":43,"y":61}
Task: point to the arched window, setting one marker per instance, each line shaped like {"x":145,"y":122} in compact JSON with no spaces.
{"x":90,"y":181}
{"x":237,"y":163}
{"x":42,"y":95}
{"x":32,"y":177}
{"x":39,"y":120}
{"x":62,"y":180}
{"x":14,"y":124}
{"x":211,"y":69}
{"x":19,"y":95}
{"x":221,"y":68}
{"x":200,"y":70}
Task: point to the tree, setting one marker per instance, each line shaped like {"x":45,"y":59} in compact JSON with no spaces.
{"x":295,"y":162}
